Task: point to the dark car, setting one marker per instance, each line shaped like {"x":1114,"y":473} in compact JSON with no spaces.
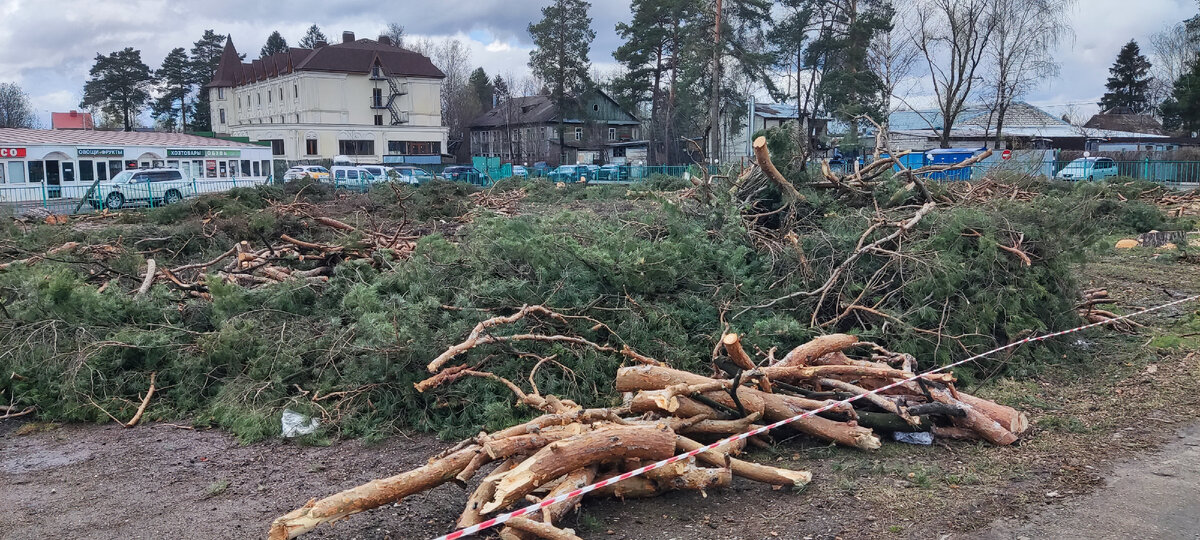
{"x":614,"y":173}
{"x":462,"y":173}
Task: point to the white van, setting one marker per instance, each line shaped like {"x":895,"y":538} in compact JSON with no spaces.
{"x":354,"y":177}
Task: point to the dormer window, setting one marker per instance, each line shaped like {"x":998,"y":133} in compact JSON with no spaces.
{"x":376,"y":72}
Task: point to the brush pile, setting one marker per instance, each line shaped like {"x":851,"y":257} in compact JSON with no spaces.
{"x":668,"y":411}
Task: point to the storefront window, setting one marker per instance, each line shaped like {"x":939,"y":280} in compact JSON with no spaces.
{"x":257,"y":172}
{"x":114,"y":168}
{"x":37,"y":171}
{"x":16,"y":172}
{"x":87,"y":170}
{"x":224,"y":171}
{"x":101,"y":171}
{"x":266,"y":167}
{"x":68,"y":171}
{"x":245,"y":167}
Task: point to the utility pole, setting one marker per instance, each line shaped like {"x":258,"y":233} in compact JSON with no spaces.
{"x":715,"y":111}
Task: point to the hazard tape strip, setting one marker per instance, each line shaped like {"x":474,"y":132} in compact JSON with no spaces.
{"x":501,"y":519}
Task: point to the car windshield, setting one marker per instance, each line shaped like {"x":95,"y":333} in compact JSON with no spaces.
{"x":1080,"y":164}
{"x":123,"y":176}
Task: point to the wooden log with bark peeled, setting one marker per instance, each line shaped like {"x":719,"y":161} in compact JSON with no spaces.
{"x":531,"y":443}
{"x":1008,"y":417}
{"x":572,"y":481}
{"x":373,"y":494}
{"x":775,"y":406}
{"x":145,"y":401}
{"x":539,"y":530}
{"x":559,"y":458}
{"x":764,"y":162}
{"x":790,"y":373}
{"x":733,"y":347}
{"x":818,"y":347}
{"x":975,"y":420}
{"x":148,"y":280}
{"x":481,"y":495}
{"x":759,"y":473}
{"x":683,"y":407}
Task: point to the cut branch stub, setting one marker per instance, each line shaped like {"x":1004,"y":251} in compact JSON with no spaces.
{"x":818,"y":347}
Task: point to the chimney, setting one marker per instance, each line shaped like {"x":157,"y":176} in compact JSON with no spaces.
{"x":320,"y":44}
{"x":385,"y":40}
{"x":347,"y":37}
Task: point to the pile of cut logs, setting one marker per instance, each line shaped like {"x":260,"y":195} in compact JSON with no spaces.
{"x":668,"y":411}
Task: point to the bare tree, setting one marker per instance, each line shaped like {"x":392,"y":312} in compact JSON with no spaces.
{"x":1022,"y":50}
{"x":1173,"y":54}
{"x":894,"y":55}
{"x":15,"y":109}
{"x":953,"y":37}
{"x":395,"y":31}
{"x":459,"y":106}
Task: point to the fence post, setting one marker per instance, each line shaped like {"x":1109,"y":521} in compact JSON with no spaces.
{"x":45,"y":199}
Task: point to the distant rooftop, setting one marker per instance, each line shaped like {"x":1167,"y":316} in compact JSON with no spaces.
{"x":350,"y":56}
{"x":18,"y":136}
{"x":71,"y":120}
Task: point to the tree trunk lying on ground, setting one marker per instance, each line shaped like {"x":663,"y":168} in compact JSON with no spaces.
{"x":666,"y":410}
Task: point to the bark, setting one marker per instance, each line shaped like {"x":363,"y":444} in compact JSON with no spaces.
{"x":541,"y":530}
{"x":1008,"y":417}
{"x":481,"y":495}
{"x":787,"y":373}
{"x":745,"y":469}
{"x":764,"y":162}
{"x":145,"y":401}
{"x":373,"y":494}
{"x":733,"y":347}
{"x":875,"y":399}
{"x":975,"y":420}
{"x":559,"y":458}
{"x":821,"y":346}
{"x":148,"y":280}
{"x":572,"y":481}
{"x":531,"y":443}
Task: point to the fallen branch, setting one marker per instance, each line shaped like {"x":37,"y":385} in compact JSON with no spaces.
{"x":145,"y":401}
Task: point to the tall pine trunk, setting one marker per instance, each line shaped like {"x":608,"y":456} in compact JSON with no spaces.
{"x":655,"y":96}
{"x":715,"y":110}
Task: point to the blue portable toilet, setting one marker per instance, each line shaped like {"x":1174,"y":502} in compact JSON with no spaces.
{"x":943,"y":156}
{"x":911,"y":160}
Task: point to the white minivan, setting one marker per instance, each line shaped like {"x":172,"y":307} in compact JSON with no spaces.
{"x":354,"y":177}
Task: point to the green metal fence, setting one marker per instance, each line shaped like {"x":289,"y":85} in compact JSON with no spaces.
{"x":84,"y":198}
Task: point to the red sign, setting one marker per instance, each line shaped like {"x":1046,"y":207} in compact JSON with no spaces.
{"x":11,"y":152}
{"x":1006,"y":154}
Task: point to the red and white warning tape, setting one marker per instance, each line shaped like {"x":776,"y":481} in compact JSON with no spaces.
{"x":498,"y":520}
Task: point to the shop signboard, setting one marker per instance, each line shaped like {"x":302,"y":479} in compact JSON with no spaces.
{"x":115,"y":152}
{"x":9,"y":152}
{"x":180,"y":152}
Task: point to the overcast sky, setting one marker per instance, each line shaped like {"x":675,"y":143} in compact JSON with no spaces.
{"x":48,"y":46}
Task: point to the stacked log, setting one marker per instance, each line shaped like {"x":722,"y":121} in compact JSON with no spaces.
{"x":667,"y":412}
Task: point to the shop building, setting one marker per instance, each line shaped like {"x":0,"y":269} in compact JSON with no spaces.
{"x":49,"y":164}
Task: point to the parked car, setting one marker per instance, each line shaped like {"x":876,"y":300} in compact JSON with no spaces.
{"x":614,"y":173}
{"x":571,"y":173}
{"x":520,"y":171}
{"x":411,"y":175}
{"x":462,"y":173}
{"x":313,"y":171}
{"x":1089,"y":168}
{"x":143,"y":186}
{"x":355,"y":177}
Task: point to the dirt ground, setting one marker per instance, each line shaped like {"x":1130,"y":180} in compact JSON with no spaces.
{"x":1092,"y":421}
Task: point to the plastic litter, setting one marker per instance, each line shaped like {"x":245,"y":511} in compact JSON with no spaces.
{"x":923,"y":438}
{"x":296,"y":424}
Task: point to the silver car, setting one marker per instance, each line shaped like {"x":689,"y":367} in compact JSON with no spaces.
{"x":151,"y":187}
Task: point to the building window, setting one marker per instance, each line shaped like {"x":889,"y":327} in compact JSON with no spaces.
{"x":400,"y":147}
{"x":310,"y":147}
{"x":633,"y":133}
{"x":245,"y":167}
{"x":280,"y":93}
{"x":612,"y":134}
{"x":376,"y":97}
{"x":276,"y":146}
{"x":297,"y":118}
{"x":268,"y":96}
{"x":579,"y":134}
{"x":221,"y":113}
{"x":296,"y":91}
{"x":87,"y":170}
{"x":379,"y":119}
{"x":16,"y":172}
{"x":220,"y":93}
{"x":356,"y":148}
{"x":260,"y":98}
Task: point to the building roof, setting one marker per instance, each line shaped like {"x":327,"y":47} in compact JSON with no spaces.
{"x":518,"y":110}
{"x":350,"y":56}
{"x":18,"y":137}
{"x":779,"y":111}
{"x":71,"y":120}
{"x":1112,"y":120}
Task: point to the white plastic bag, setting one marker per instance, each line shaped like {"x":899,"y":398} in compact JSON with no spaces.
{"x":296,"y":424}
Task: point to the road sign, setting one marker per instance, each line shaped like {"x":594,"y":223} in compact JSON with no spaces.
{"x":1007,"y":154}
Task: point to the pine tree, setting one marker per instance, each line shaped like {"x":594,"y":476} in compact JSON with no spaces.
{"x":174,"y":81}
{"x":1128,"y":82}
{"x":481,"y":88}
{"x":205,"y":56}
{"x":562,"y":41}
{"x":651,"y":57}
{"x":311,"y":37}
{"x":500,"y":87}
{"x":119,"y":84}
{"x":1181,"y":111}
{"x":275,"y":45}
{"x":847,"y":86}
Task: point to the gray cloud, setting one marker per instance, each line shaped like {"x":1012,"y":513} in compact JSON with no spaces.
{"x":48,"y":45}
